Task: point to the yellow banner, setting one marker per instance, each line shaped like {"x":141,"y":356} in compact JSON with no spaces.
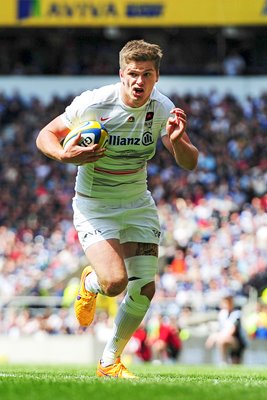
{"x":132,"y":13}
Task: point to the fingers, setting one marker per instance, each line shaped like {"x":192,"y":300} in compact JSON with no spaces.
{"x":177,"y":110}
{"x":93,"y":155}
{"x":76,"y":140}
{"x":178,"y":119}
{"x":83,"y":155}
{"x":179,"y":115}
{"x":95,"y":149}
{"x":182,"y":125}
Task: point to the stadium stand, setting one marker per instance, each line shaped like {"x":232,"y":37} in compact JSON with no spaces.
{"x":213,"y":219}
{"x":187,"y":51}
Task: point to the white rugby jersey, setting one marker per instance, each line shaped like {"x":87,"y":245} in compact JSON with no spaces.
{"x":133,"y":135}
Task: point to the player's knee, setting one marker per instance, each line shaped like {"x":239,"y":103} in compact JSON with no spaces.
{"x":141,"y":287}
{"x":114,"y":287}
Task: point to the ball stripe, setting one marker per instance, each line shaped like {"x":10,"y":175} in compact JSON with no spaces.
{"x":92,"y":132}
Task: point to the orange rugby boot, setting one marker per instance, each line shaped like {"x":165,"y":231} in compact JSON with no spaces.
{"x":117,"y":370}
{"x":85,"y":303}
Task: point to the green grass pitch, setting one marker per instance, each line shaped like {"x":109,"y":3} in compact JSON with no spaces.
{"x":161,"y":382}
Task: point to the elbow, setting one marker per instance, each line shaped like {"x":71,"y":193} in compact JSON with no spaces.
{"x":195,"y":160}
{"x":193,"y":165}
{"x":37,"y":142}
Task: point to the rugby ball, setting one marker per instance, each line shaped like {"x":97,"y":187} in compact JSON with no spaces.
{"x":92,"y":132}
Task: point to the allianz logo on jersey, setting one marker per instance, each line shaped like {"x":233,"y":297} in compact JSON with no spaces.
{"x":145,"y":140}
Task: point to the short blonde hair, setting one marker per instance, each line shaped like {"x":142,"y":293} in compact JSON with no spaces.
{"x":139,"y":50}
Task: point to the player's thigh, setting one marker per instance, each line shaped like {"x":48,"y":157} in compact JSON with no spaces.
{"x":106,"y":258}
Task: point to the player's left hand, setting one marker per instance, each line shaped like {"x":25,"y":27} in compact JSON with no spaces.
{"x":176,"y":124}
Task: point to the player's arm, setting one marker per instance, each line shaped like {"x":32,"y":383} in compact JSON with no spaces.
{"x":178,"y":142}
{"x":49,"y":142}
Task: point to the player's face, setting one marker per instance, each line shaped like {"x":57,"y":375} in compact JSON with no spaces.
{"x":138,"y":79}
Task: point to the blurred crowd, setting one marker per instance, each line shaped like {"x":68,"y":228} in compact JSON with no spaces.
{"x":214,"y":219}
{"x":77,"y":51}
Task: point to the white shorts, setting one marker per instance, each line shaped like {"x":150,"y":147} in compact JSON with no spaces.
{"x":135,"y":221}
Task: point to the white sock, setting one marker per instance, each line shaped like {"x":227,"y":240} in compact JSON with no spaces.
{"x":91,"y":283}
{"x":125,"y":325}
